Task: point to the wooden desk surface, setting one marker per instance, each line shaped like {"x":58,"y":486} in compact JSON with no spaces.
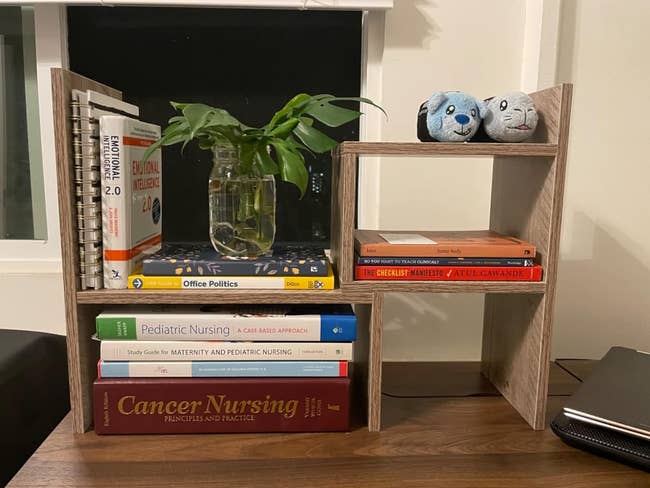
{"x":460,"y":440}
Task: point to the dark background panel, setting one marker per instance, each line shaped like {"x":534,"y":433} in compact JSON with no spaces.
{"x":249,"y":62}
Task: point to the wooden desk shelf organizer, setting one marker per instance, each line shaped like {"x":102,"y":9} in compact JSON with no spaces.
{"x":527,"y":188}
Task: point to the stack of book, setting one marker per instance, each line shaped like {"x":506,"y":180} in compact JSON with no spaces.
{"x":224,"y":369}
{"x":118,"y":198}
{"x":199,"y":266}
{"x":444,"y":256}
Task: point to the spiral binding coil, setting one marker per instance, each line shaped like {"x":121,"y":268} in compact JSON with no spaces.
{"x":87,"y":181}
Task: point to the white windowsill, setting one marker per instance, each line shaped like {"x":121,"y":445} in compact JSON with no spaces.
{"x":278,"y":4}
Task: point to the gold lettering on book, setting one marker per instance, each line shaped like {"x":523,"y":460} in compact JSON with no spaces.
{"x":216,"y":404}
{"x":170,"y":408}
{"x":127,"y":405}
{"x":220,"y":405}
{"x":122,"y":401}
{"x":107,"y":418}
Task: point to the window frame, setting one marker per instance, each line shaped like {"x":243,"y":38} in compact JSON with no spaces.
{"x":43,"y":255}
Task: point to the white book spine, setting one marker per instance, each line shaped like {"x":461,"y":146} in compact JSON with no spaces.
{"x":226,"y":327}
{"x":113,"y":103}
{"x":131,"y":194}
{"x":224,"y":351}
{"x":115,"y":205}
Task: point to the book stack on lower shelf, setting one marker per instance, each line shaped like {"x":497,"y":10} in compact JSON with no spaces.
{"x":224,"y":369}
{"x":443,"y":256}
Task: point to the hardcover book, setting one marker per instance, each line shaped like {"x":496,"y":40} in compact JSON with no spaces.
{"x":131,"y":196}
{"x":221,"y":369}
{"x":331,"y":323}
{"x":140,"y":281}
{"x":406,"y":261}
{"x":201,"y":259}
{"x":457,"y":244}
{"x":449,"y":273}
{"x":199,"y":405}
{"x":224,"y":351}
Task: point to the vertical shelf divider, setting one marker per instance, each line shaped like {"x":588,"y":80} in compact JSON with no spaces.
{"x":367,"y":358}
{"x":343,"y":213}
{"x":82,"y":350}
{"x":527,"y":196}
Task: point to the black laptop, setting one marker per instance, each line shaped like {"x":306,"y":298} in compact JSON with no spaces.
{"x":616,"y":395}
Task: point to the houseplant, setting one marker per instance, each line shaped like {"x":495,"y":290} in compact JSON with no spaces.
{"x":242,"y":185}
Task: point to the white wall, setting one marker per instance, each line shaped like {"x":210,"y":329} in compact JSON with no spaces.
{"x":603,"y":293}
{"x":473,"y":46}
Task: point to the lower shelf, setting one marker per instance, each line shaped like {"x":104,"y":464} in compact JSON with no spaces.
{"x":446,"y":286}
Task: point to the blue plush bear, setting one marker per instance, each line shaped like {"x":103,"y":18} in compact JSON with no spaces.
{"x":453,"y":116}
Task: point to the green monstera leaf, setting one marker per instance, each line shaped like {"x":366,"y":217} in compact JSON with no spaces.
{"x":277,"y":147}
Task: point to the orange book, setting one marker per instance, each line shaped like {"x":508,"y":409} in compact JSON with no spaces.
{"x":468,"y":244}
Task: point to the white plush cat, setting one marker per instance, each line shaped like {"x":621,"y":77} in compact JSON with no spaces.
{"x":510,"y":118}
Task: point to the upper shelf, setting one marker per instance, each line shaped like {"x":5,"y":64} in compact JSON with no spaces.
{"x":448,"y":149}
{"x":338,"y":295}
{"x":447,"y":286}
{"x":552,"y":106}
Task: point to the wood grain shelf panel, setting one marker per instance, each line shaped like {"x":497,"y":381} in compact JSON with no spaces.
{"x":222,"y":296}
{"x":447,"y":286}
{"x":419,"y":149}
{"x":82,"y":352}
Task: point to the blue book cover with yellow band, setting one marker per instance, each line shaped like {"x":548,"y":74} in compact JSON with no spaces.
{"x":200,"y":259}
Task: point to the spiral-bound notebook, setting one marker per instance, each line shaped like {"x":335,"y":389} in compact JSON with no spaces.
{"x":87,"y":107}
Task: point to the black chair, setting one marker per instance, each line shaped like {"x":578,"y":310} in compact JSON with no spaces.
{"x":34,"y":394}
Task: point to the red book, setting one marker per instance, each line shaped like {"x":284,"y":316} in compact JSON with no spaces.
{"x":449,"y":273}
{"x":208,"y":405}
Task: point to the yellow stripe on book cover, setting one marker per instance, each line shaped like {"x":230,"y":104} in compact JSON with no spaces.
{"x":140,"y":281}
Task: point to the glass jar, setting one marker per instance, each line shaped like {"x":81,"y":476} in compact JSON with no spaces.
{"x":242,"y":208}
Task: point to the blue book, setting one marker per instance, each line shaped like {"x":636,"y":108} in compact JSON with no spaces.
{"x":221,"y":369}
{"x":414,"y":261}
{"x":200,"y":259}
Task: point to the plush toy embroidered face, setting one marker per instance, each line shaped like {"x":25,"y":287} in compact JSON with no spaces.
{"x":453,"y":116}
{"x":511,"y":117}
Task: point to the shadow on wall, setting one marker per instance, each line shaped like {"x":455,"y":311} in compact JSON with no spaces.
{"x":602,"y":300}
{"x":418,"y":28}
{"x":414,"y":324}
{"x":567,"y":39}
